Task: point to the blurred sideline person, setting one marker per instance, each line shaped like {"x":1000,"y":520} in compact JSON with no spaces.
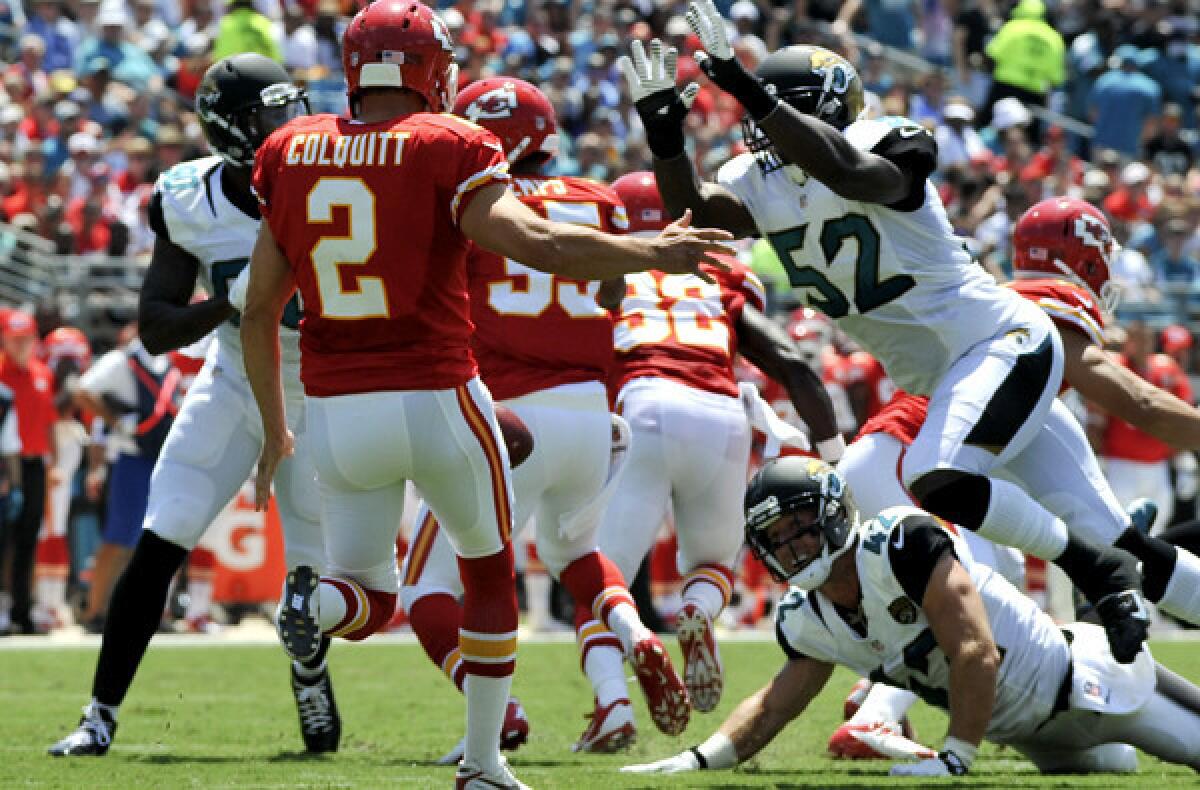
{"x":895,"y":599}
{"x":371,"y":218}
{"x":676,"y":337}
{"x":544,"y":348}
{"x":1061,"y":254}
{"x":848,"y":206}
{"x":205,"y":218}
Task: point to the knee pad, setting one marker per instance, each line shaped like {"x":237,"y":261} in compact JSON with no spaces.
{"x":956,"y":496}
{"x":1158,"y":560}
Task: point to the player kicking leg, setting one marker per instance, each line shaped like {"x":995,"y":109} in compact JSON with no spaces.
{"x":206,"y":218}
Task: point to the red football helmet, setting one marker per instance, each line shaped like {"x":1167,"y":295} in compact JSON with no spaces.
{"x":67,"y":342}
{"x":812,"y":332}
{"x":400,"y":44}
{"x":639,"y":192}
{"x":516,"y":112}
{"x":1070,"y":238}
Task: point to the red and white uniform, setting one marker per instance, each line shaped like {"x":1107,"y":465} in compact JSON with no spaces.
{"x":673,"y":379}
{"x":1136,"y":463}
{"x":544,"y":348}
{"x":864,"y":370}
{"x":367,"y":215}
{"x":1056,"y":468}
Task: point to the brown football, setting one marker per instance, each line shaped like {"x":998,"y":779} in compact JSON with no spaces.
{"x":516,"y":435}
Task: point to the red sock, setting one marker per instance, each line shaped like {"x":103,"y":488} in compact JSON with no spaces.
{"x":366,"y":610}
{"x":52,"y":552}
{"x":435,"y":620}
{"x":593,"y":580}
{"x":591,"y":633}
{"x":488,"y":636}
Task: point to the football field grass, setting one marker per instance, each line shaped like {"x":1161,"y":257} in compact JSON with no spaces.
{"x":222,"y":716}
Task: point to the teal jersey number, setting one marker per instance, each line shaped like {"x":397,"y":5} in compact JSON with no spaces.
{"x":869,"y":291}
{"x":225,"y":271}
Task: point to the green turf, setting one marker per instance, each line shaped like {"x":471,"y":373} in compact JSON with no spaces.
{"x":223,"y":717}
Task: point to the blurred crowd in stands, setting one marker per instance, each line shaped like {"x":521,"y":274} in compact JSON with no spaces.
{"x":1093,"y":98}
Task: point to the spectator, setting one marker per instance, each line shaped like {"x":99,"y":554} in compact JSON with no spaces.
{"x":127,"y":63}
{"x":1172,"y":266}
{"x":994,"y":234}
{"x":1176,"y":342}
{"x":1131,"y":203}
{"x":1130,"y":269}
{"x":1166,"y":149}
{"x":1029,"y":56}
{"x":890,"y":22}
{"x":972,"y":28}
{"x":136,"y":396}
{"x":1056,"y":161}
{"x":30,"y":69}
{"x":1175,"y":65}
{"x":32,"y":386}
{"x":60,"y":34}
{"x":956,"y":138}
{"x":929,"y":102}
{"x":1121,"y":102}
{"x":244,"y":29}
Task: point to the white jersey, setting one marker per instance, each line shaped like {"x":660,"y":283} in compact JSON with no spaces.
{"x":895,"y":278}
{"x":898,"y":647}
{"x":197,"y":216}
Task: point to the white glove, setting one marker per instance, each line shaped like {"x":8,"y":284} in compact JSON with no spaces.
{"x":709,"y":26}
{"x":931,"y":766}
{"x":649,"y":74}
{"x":684,"y":761}
{"x":237,"y":289}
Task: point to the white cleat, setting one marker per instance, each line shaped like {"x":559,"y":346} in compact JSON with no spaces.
{"x":472,"y":777}
{"x":702,"y":671}
{"x":609,"y":730}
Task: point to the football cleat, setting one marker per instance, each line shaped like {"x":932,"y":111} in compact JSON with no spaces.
{"x":854,"y":700}
{"x":91,"y":738}
{"x":609,"y":730}
{"x":666,"y":696}
{"x":513,"y":734}
{"x":845,"y":745}
{"x":471,"y":777}
{"x":1126,"y":623}
{"x":1142,"y":513}
{"x":299,"y":629}
{"x":702,"y":671}
{"x":320,"y":724}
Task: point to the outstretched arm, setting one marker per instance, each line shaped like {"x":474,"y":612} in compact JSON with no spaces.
{"x":754,"y":723}
{"x":498,"y":221}
{"x":768,"y":346}
{"x":712,"y":205}
{"x":1119,"y":391}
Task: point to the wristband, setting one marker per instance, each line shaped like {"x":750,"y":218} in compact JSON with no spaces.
{"x":965,"y":752}
{"x":716,"y":753}
{"x":832,"y":449}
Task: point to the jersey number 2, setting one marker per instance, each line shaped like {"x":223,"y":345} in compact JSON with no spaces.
{"x":869,"y":291}
{"x":368,"y":299}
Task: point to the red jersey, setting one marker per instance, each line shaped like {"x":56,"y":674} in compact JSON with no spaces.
{"x":864,"y":370}
{"x":835,"y":369}
{"x":1070,"y":306}
{"x":681,"y":328}
{"x":1122,"y":440}
{"x":33,"y":398}
{"x":367,"y":215}
{"x":535,"y":330}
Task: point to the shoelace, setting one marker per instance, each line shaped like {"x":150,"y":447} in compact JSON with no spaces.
{"x":95,"y":727}
{"x":314,"y":707}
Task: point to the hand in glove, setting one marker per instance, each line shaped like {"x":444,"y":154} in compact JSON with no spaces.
{"x":684,"y":761}
{"x":717,"y":60}
{"x":947,"y":763}
{"x":237,"y":289}
{"x":661,"y":106}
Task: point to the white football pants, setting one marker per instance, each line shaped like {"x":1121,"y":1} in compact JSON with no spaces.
{"x":1151,"y":479}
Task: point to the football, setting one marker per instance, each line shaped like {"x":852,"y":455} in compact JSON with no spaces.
{"x":516,"y":435}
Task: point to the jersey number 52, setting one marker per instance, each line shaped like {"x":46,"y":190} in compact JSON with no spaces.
{"x":869,"y":291}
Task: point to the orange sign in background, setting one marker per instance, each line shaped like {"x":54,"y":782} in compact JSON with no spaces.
{"x":248,"y":546}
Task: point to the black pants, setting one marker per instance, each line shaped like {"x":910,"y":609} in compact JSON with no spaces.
{"x":18,"y":543}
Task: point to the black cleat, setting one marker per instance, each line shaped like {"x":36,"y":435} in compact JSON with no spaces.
{"x":320,"y":723}
{"x":1142,"y":513}
{"x":1126,"y":623}
{"x":91,"y":738}
{"x":298,"y":627}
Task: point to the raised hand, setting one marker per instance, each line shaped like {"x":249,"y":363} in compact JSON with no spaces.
{"x":717,"y":60}
{"x":661,"y":106}
{"x":682,"y":248}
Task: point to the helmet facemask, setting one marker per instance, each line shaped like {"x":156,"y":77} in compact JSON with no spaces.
{"x":241,"y":131}
{"x":821,"y":102}
{"x":775,"y":527}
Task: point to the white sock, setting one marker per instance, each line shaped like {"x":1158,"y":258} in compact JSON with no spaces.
{"x":706,"y":595}
{"x":52,"y":592}
{"x":624,"y":621}
{"x":200,"y":595}
{"x":883,"y":703}
{"x":1015,"y":519}
{"x":605,"y":669}
{"x":537,"y":596}
{"x":487,"y":699}
{"x":95,"y":705}
{"x":1182,"y":596}
{"x":331,"y":606}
